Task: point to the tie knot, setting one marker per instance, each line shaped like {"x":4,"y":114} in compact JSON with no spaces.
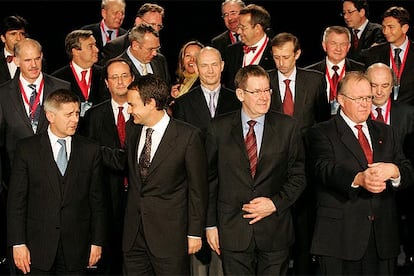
{"x":109,"y":33}
{"x":236,"y":36}
{"x":379,"y":110}
{"x":120,"y":108}
{"x":359,"y":127}
{"x":83,"y":73}
{"x":287,"y":82}
{"x":62,"y":142}
{"x":149,"y":131}
{"x":251,"y":123}
{"x":397,"y":51}
{"x":356,"y":31}
{"x":335,"y":68}
{"x":32,"y":86}
{"x":247,"y":49}
{"x":9,"y":58}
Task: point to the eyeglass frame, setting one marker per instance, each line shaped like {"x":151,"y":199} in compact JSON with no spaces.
{"x":122,"y":76}
{"x":160,"y":26}
{"x":227,"y":14}
{"x":359,"y":100}
{"x":256,"y":93}
{"x":342,"y":14}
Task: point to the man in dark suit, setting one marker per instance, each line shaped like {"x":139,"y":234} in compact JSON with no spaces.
{"x":143,"y":53}
{"x":102,"y":123}
{"x":401,"y":117}
{"x":364,"y":33}
{"x":168,"y":192}
{"x":336,"y":44}
{"x":12,"y":30}
{"x":83,"y":72}
{"x":358,"y":165}
{"x":253,"y":187}
{"x":149,"y":13}
{"x":307,"y":92}
{"x":230,"y":10}
{"x":113,"y":15}
{"x":255,"y":46}
{"x":56,"y":211}
{"x":395,"y":22}
{"x":198,"y":107}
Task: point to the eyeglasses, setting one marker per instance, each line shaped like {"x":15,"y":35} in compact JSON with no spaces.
{"x":156,"y":26}
{"x":122,"y":76}
{"x":258,"y":92}
{"x":359,"y":100}
{"x":232,"y":13}
{"x":150,"y":50}
{"x":347,"y":12}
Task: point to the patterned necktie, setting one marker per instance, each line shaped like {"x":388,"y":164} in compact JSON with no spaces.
{"x":34,"y":110}
{"x":211,"y":105}
{"x":251,"y":147}
{"x":335,"y":80}
{"x":379,"y":118}
{"x":145,"y":157}
{"x":121,"y":126}
{"x":288,"y":100}
{"x":355,"y":38}
{"x":397,"y":59}
{"x":62,"y":159}
{"x":363,"y":141}
{"x":144,"y":69}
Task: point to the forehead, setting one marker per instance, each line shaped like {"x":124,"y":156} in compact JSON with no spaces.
{"x":245,"y":18}
{"x":232,"y":6}
{"x":192,"y":47}
{"x":358,"y":88}
{"x":257,"y":82}
{"x":117,"y":66}
{"x":208,"y":56}
{"x":380,"y":73}
{"x":286,"y":47}
{"x":333,"y":36}
{"x":152,"y":17}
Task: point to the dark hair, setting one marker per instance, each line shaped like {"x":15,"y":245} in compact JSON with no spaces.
{"x":58,"y":97}
{"x":258,"y":15}
{"x":150,"y":7}
{"x":282,"y":38}
{"x":240,"y":80}
{"x":399,"y":13}
{"x":150,"y":87}
{"x":73,"y":40}
{"x":359,"y":5}
{"x":114,"y":60}
{"x":14,"y":22}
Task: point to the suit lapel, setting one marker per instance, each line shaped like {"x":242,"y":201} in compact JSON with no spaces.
{"x":299,"y":101}
{"x":237,"y":135}
{"x":17,"y":101}
{"x":49,"y":161}
{"x":200,"y":102}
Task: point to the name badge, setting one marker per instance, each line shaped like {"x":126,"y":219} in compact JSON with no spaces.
{"x":334,"y":107}
{"x":84,"y":107}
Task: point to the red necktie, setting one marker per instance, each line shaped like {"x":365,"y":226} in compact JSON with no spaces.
{"x":121,"y":126}
{"x":9,"y":59}
{"x":83,"y":84}
{"x":251,"y":147}
{"x":288,"y":100}
{"x":363,"y":141}
{"x":355,"y":38}
{"x":247,"y":49}
{"x":335,"y":80}
{"x":379,"y":118}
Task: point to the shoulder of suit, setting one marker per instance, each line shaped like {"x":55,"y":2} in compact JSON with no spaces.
{"x":56,"y":80}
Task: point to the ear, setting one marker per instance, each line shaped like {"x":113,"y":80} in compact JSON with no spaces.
{"x":50,"y":116}
{"x":222,"y":66}
{"x":297,"y":54}
{"x":324,"y":45}
{"x":239,"y":94}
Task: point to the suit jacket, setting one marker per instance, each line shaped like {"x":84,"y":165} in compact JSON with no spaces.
{"x":371,"y":34}
{"x":158,"y":64}
{"x":193,"y":108}
{"x":14,"y":122}
{"x":336,"y":157}
{"x":381,"y":53}
{"x":98,"y":91}
{"x":115,"y":47}
{"x":4,"y":69}
{"x":96,"y":30}
{"x":172,"y":201}
{"x":280,"y":176}
{"x":233,"y":58}
{"x":74,"y":212}
{"x":221,"y":41}
{"x":310,"y":103}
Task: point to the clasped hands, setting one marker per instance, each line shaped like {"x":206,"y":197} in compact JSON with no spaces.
{"x":374,"y":178}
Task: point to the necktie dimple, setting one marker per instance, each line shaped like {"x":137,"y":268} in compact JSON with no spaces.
{"x":288,"y":99}
{"x":363,"y":141}
{"x":145,"y":157}
{"x":211,"y":105}
{"x":62,"y":159}
{"x":9,"y":58}
{"x":251,"y":147}
{"x":121,"y":126}
{"x":144,"y":69}
{"x":379,"y":118}
{"x":335,"y":80}
{"x":355,"y":38}
{"x":109,"y":38}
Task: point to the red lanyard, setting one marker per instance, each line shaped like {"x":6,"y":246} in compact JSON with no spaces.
{"x":331,"y":84}
{"x":259,"y":52}
{"x":32,"y":108}
{"x":387,"y":112}
{"x":106,"y":34}
{"x":84,"y":89}
{"x":394,"y":66}
{"x":232,"y":37}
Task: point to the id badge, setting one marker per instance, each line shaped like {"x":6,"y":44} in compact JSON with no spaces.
{"x":334,"y":107}
{"x":34,"y":125}
{"x":395,"y":91}
{"x":84,"y":107}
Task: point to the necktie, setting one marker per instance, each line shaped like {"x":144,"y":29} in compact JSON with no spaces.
{"x":145,"y":157}
{"x":121,"y":126}
{"x":84,"y":85}
{"x":335,"y":80}
{"x":34,"y":111}
{"x":288,"y":100}
{"x":211,"y":105}
{"x":355,"y":38}
{"x":380,"y":118}
{"x":9,"y":59}
{"x":236,"y":37}
{"x":247,"y":49}
{"x":251,"y":147}
{"x":62,"y":159}
{"x":397,"y":59}
{"x":109,"y":35}
{"x":144,"y":69}
{"x":363,"y":141}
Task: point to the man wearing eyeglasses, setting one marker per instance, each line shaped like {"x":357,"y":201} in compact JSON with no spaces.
{"x":364,"y":33}
{"x":256,"y":172}
{"x":358,"y":166}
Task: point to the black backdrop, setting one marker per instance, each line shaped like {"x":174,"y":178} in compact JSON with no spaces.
{"x":50,"y":21}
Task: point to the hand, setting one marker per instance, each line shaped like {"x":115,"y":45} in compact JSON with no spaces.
{"x":375,"y":177}
{"x":175,"y":90}
{"x":194,"y":245}
{"x":258,"y":208}
{"x":213,"y":239}
{"x":21,"y":256}
{"x":96,"y":253}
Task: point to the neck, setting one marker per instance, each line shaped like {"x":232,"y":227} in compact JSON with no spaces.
{"x":155,"y":118}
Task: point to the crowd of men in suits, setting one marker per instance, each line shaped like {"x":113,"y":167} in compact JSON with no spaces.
{"x":251,"y":170}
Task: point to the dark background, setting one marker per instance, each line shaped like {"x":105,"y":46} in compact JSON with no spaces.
{"x":50,"y":21}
